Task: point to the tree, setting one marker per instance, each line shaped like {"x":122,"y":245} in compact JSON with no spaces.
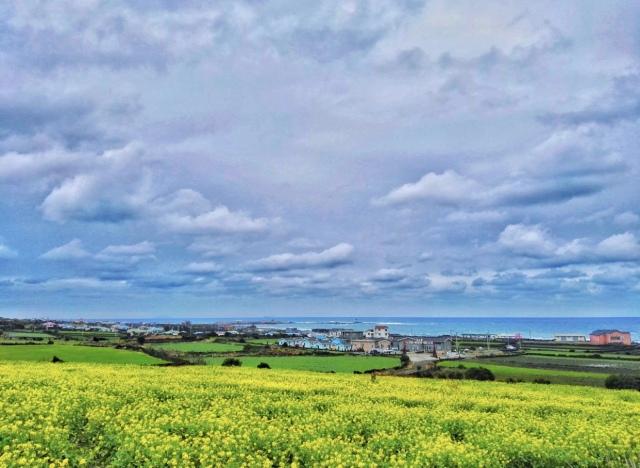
{"x":479,"y":373}
{"x":621,"y":381}
{"x":140,"y":339}
{"x":232,"y":362}
{"x":264,"y":365}
{"x":404,"y":360}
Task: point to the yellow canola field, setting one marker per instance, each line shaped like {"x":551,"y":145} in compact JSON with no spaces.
{"x":110,"y":415}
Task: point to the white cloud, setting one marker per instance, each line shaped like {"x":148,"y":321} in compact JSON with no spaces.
{"x":16,"y":168}
{"x":6,"y":252}
{"x":488,"y":216}
{"x":389,"y":275}
{"x":202,"y":268}
{"x":141,"y":248}
{"x":81,"y":284}
{"x":448,"y":188}
{"x":118,"y":187}
{"x":622,"y":247}
{"x":628,"y":218}
{"x":329,"y":258}
{"x":219,"y":220}
{"x":72,"y":250}
{"x":528,"y":240}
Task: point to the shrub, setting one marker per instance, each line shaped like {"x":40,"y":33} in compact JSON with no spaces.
{"x":264,"y":365}
{"x":231,"y":362}
{"x":542,"y":381}
{"x":479,"y":373}
{"x":621,"y":381}
{"x":404,"y":360}
{"x":461,"y":366}
{"x":56,"y":359}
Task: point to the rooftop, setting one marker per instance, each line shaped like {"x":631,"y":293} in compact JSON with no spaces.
{"x":606,"y":332}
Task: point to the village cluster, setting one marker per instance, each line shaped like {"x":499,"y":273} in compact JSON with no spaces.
{"x":377,"y":340}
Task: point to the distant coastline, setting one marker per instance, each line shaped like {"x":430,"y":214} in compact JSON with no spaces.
{"x":528,"y":327}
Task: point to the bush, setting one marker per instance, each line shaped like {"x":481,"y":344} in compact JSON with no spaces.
{"x":56,"y":359}
{"x":479,"y":373}
{"x":461,"y":366}
{"x":542,"y":381}
{"x":231,"y":362}
{"x":404,"y":360}
{"x":621,"y":381}
{"x":264,"y":365}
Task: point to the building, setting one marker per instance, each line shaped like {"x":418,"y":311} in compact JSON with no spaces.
{"x":334,"y":344}
{"x":607,"y":337}
{"x":330,"y":332}
{"x":352,"y":335}
{"x":422,"y":344}
{"x":367,"y":345}
{"x":378,"y":332}
{"x":570,"y":338}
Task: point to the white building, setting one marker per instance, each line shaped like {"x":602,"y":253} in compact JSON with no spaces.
{"x":570,"y":338}
{"x":378,"y":332}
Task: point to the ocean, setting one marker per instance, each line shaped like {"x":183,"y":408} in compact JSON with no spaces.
{"x":528,"y":327}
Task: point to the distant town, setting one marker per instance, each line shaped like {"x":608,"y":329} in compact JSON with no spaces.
{"x":377,"y":340}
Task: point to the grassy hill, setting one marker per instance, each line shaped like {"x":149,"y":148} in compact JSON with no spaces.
{"x":74,"y":353}
{"x":112,"y":415}
{"x":200,"y":347}
{"x":337,"y":363}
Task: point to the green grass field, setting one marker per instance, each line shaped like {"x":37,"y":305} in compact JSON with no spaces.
{"x":504,"y":372}
{"x":586,"y":364}
{"x":71,"y":353}
{"x":338,"y":363}
{"x":263,"y":341}
{"x":582,"y":354}
{"x":200,"y":347}
{"x":87,"y":335}
{"x":25,"y":335}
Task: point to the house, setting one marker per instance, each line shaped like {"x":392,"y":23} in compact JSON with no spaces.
{"x":352,"y":335}
{"x":570,"y":338}
{"x":407,"y":344}
{"x":606,"y":337}
{"x":334,"y":344}
{"x":368,"y":345}
{"x":422,"y":344}
{"x":379,"y":331}
{"x":337,"y":344}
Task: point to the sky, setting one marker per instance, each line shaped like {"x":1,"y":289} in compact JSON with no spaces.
{"x":270,"y":158}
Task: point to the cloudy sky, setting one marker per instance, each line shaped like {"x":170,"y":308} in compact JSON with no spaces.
{"x":243,"y":158}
